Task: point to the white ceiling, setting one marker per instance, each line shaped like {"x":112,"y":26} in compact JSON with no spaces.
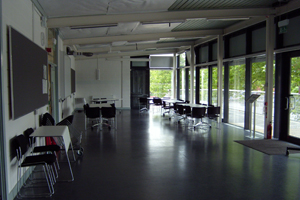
{"x":140,"y":27}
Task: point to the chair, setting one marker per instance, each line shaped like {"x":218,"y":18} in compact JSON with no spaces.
{"x":166,"y":109}
{"x":92,"y":114}
{"x":198,"y":113}
{"x":41,"y":149}
{"x":180,"y":113}
{"x":143,"y":104}
{"x":47,"y":120}
{"x":213,"y":113}
{"x":46,"y":160}
{"x":109,"y":114}
{"x":75,"y":134}
{"x":157,"y":102}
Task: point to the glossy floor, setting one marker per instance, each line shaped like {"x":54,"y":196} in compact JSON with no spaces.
{"x":152,"y":158}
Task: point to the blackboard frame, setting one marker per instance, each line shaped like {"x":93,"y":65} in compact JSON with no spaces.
{"x":26,"y":62}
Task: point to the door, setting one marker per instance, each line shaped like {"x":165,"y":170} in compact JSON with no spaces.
{"x":287,"y":97}
{"x":293,"y":100}
{"x":139,"y":85}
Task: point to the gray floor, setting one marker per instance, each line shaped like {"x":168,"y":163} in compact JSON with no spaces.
{"x":152,"y":158}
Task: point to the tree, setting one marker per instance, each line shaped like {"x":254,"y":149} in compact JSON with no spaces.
{"x":160,"y":82}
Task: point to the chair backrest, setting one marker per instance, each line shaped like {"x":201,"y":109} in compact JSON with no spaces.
{"x":92,"y":112}
{"x":143,"y":100}
{"x":48,"y":120}
{"x":27,"y":134}
{"x":108,"y":112}
{"x":198,"y":112}
{"x":66,"y":121}
{"x":21,"y":144}
{"x":213,"y":110}
{"x":180,"y":109}
{"x":157,"y":101}
{"x":187,"y":110}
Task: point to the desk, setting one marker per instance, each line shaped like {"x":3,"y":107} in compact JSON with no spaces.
{"x":100,"y":105}
{"x":194,"y":105}
{"x":57,"y":131}
{"x":103,"y":100}
{"x":169,"y":101}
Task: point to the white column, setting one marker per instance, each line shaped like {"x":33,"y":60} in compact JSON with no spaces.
{"x":220,"y":77}
{"x":270,"y":34}
{"x":192,"y":71}
{"x":174,"y":77}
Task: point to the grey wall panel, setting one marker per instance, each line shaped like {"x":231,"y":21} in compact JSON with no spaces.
{"x":26,"y":64}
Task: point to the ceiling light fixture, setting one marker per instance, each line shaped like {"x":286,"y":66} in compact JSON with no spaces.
{"x":227,"y":19}
{"x":162,"y":22}
{"x":94,"y":26}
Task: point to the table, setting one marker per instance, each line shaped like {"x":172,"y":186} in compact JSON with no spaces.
{"x":100,"y":105}
{"x":103,"y":100}
{"x":57,"y":131}
{"x":192,"y":105}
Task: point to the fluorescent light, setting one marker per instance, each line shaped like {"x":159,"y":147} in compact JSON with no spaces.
{"x":94,"y":26}
{"x":162,"y":22}
{"x":227,"y":19}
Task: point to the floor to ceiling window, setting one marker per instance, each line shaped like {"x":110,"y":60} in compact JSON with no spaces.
{"x":160,"y":83}
{"x":214,"y":81}
{"x":237,"y":92}
{"x":203,"y":95}
{"x":258,"y":79}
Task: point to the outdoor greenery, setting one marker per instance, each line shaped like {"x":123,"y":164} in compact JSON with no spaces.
{"x":160,"y":83}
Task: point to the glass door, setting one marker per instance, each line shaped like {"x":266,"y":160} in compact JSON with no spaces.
{"x":237,"y":92}
{"x":293,"y":101}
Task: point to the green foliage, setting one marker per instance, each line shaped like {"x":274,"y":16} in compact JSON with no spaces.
{"x":160,"y":82}
{"x":295,"y":74}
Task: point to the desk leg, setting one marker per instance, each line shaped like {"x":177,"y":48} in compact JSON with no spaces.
{"x":66,"y":150}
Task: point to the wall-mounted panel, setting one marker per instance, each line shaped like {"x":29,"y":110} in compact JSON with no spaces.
{"x":28,"y":74}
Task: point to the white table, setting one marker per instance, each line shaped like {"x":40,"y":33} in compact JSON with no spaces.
{"x":103,"y":100}
{"x":100,"y":105}
{"x":60,"y":132}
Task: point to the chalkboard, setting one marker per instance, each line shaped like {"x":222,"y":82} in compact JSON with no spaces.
{"x":28,"y":71}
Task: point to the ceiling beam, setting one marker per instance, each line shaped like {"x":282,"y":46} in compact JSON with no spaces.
{"x":142,"y":37}
{"x":156,"y":16}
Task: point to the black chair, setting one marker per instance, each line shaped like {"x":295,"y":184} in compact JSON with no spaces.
{"x":47,"y":120}
{"x":198,"y":113}
{"x":41,"y":149}
{"x":180,"y":114}
{"x":157,"y":102}
{"x":213,"y":113}
{"x":166,"y":109}
{"x":143,"y":104}
{"x":109,"y":115}
{"x":46,"y":160}
{"x":92,"y":114}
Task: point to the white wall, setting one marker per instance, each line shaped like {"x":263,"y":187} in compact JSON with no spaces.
{"x":114,"y":80}
{"x":22,"y":16}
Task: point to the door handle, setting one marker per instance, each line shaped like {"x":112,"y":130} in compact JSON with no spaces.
{"x":287,"y":103}
{"x":292,"y":98}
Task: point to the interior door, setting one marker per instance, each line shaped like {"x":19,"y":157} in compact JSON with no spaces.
{"x":139,"y":85}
